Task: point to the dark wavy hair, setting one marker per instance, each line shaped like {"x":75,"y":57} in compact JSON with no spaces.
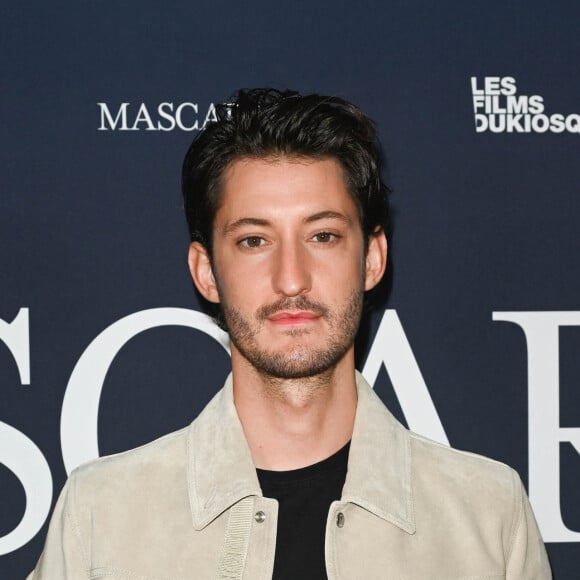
{"x":262,"y":123}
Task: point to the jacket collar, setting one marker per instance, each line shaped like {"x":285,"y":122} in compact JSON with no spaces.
{"x":221,"y":471}
{"x":379,"y":463}
{"x":220,"y":468}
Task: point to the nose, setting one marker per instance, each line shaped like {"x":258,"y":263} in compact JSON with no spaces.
{"x":291,"y":275}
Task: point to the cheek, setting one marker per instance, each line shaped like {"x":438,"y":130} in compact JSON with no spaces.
{"x":346,"y":273}
{"x":244,"y":289}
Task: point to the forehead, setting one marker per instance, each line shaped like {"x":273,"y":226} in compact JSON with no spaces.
{"x":294,"y":184}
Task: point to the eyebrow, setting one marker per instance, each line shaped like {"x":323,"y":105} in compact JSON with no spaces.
{"x":328,"y":214}
{"x":253,"y":221}
{"x":247,"y":221}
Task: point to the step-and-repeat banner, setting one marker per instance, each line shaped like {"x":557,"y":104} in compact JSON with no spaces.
{"x":102,"y":342}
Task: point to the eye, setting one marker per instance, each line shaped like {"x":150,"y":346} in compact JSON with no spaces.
{"x":252,"y":242}
{"x":324,"y":237}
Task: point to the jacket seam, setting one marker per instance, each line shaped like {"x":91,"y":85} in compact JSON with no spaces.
{"x":70,"y":515}
{"x":191,"y":471}
{"x":334,"y":563}
{"x":101,"y":571}
{"x":136,"y":450}
{"x":517,"y":515}
{"x":487,"y":577}
{"x":410,"y":503}
{"x":456,"y":451}
{"x":271,"y":548}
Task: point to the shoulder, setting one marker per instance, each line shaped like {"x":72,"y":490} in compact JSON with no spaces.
{"x":115,"y":496}
{"x":155,"y":461}
{"x":144,"y":472}
{"x":465,"y":492}
{"x":450,"y":463}
{"x":465,"y":483}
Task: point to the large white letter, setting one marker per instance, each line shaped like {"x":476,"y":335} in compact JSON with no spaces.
{"x":541,"y":330}
{"x":18,"y":453}
{"x":80,"y":409}
{"x":16,"y":337}
{"x":179,"y":120}
{"x":107,"y":118}
{"x":392,"y":349}
{"x":143,"y":116}
{"x":21,"y":456}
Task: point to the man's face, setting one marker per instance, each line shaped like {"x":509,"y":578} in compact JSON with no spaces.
{"x":288,"y":264}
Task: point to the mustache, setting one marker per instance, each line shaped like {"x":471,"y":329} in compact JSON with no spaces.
{"x":287,"y":303}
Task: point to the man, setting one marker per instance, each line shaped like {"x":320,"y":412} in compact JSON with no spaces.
{"x":295,"y":469}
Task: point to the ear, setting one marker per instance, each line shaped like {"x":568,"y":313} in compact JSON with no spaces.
{"x":202,"y":272}
{"x":376,"y":259}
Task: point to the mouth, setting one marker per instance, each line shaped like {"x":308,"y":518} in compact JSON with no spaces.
{"x":293,"y":317}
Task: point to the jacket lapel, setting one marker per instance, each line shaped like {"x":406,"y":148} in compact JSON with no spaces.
{"x":220,"y":467}
{"x":379,"y":464}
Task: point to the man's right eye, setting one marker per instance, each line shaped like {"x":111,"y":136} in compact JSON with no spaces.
{"x":252,"y":242}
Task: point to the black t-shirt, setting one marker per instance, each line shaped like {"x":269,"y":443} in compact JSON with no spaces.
{"x":304,"y":497}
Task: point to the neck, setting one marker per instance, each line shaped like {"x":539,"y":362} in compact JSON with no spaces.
{"x":291,"y":423}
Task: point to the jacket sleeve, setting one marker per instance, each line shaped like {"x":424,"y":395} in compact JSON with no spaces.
{"x":63,"y":555}
{"x":526,"y":557}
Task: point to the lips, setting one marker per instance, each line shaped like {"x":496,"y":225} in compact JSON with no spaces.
{"x":293,"y":317}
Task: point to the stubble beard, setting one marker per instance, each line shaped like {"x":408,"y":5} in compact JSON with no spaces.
{"x":300,"y":360}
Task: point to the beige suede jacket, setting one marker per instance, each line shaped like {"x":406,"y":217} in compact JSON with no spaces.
{"x":189,"y":506}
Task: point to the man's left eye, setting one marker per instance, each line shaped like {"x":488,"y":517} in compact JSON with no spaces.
{"x":324,"y":237}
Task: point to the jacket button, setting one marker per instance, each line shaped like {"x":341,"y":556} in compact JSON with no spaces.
{"x":340,"y":519}
{"x":260,"y":516}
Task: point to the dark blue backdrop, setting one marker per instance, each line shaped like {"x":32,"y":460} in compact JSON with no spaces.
{"x":91,"y":227}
